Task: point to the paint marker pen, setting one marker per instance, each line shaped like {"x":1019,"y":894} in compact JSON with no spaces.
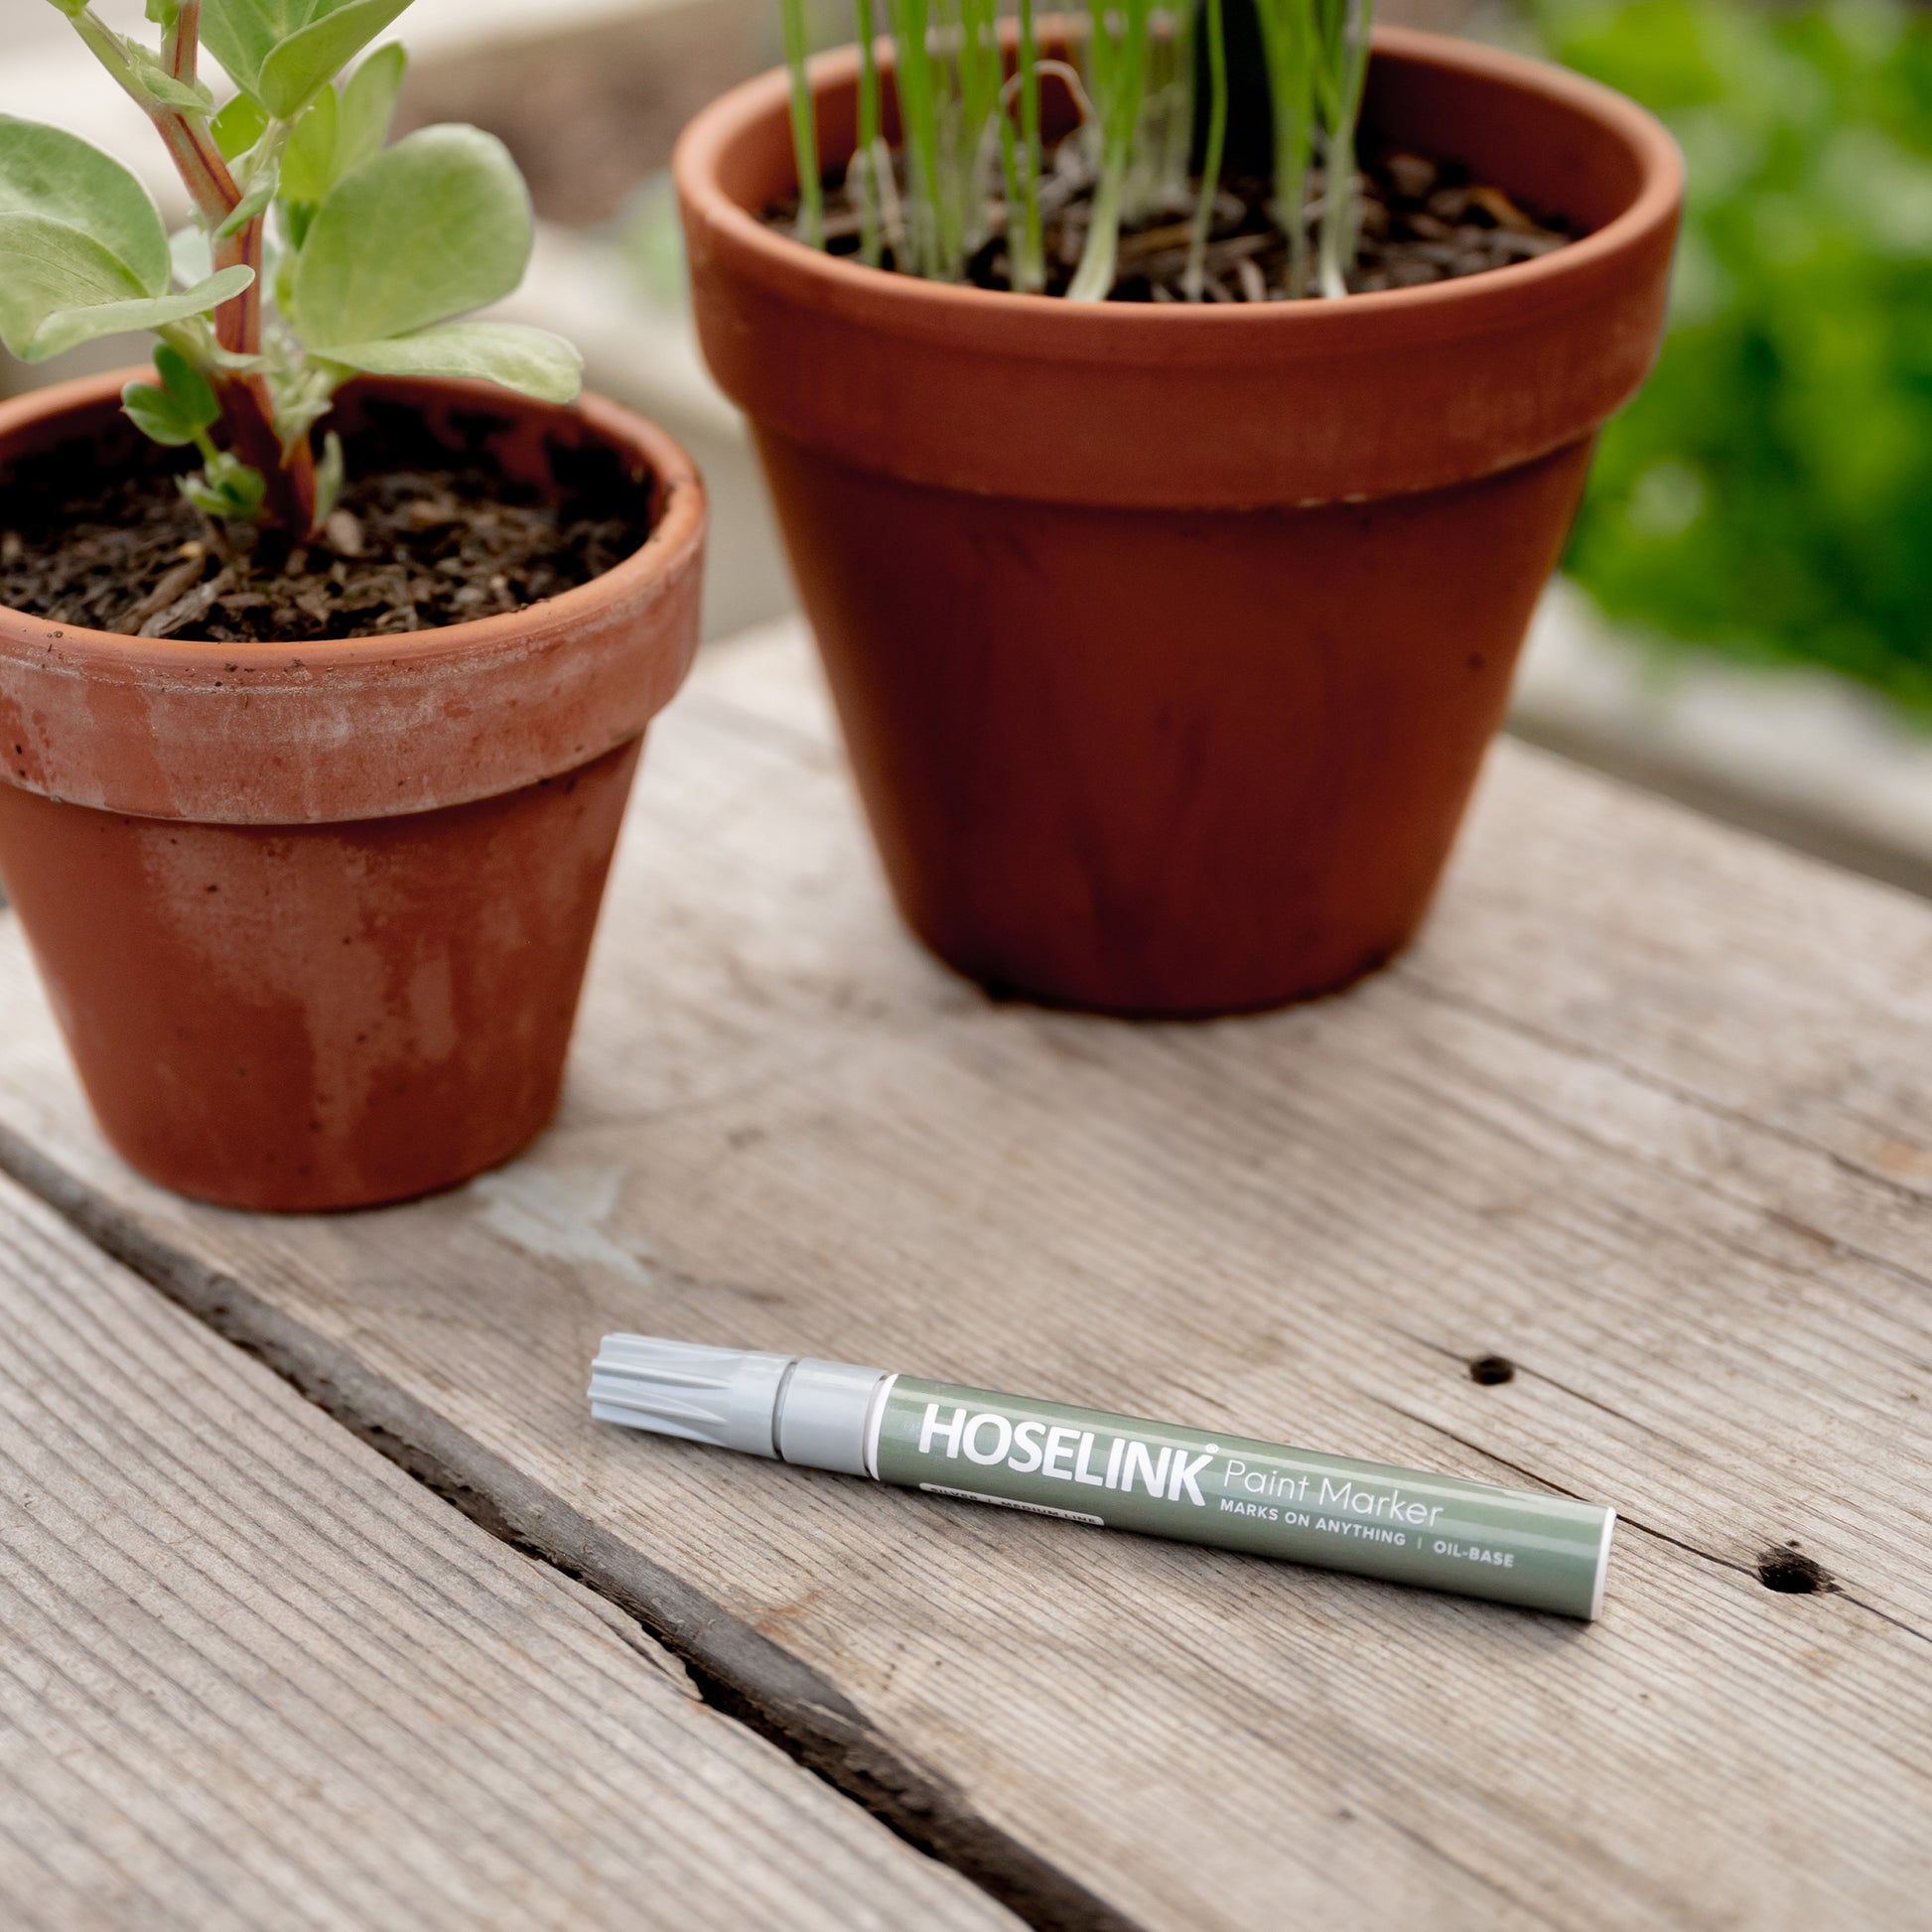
{"x":1513,"y":1546}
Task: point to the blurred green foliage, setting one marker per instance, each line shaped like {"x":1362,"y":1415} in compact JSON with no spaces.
{"x":1769,"y":494}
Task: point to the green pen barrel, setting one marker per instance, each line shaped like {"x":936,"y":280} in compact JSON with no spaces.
{"x":1510,"y":1546}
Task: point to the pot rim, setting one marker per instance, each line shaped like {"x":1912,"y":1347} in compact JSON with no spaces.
{"x":679,"y":524}
{"x":359,"y":728}
{"x":1106,"y":328}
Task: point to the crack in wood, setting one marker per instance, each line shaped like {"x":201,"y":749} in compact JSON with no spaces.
{"x":738,"y":1670}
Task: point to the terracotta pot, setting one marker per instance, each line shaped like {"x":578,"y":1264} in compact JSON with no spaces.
{"x":314,"y":920}
{"x":1168,"y":640}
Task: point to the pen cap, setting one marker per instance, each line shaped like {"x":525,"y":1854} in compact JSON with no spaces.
{"x":815,"y":1412}
{"x":727,"y":1397}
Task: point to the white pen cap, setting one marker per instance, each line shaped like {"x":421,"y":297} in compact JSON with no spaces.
{"x":814,"y":1413}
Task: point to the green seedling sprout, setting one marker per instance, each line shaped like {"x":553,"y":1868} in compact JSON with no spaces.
{"x":981,"y":77}
{"x":1028,"y":246}
{"x":1157,"y":174}
{"x":872,"y":163}
{"x":182,"y":408}
{"x":1136,"y":87}
{"x":1118,"y":84}
{"x":914,"y":73}
{"x":1342,"y":69}
{"x":804,"y":130}
{"x":1288,"y":39}
{"x":318,"y":250}
{"x":1218,"y":137}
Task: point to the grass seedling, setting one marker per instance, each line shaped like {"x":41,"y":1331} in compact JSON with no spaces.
{"x":1160,"y":171}
{"x":1026,"y":242}
{"x":915,"y":74}
{"x":1118,"y":84}
{"x":804,"y":128}
{"x":872,"y":164}
{"x":981,"y":77}
{"x":1218,"y":138}
{"x":1288,"y":39}
{"x":316,"y":252}
{"x":1342,"y":69}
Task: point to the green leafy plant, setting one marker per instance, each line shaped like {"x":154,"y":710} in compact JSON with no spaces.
{"x":971,"y":114}
{"x":317,"y":251}
{"x":1769,"y":494}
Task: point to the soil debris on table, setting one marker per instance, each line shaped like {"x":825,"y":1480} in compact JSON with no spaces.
{"x":1421,"y":220}
{"x":99,"y":536}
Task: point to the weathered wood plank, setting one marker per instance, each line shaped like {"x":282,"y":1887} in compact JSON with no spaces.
{"x":1639,"y":1114}
{"x":252,"y":1676}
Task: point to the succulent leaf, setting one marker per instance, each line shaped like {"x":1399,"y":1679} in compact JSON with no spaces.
{"x":532,"y":361}
{"x":427,"y":229}
{"x":285,"y":51}
{"x":368,"y":105}
{"x":238,"y":126}
{"x":226,"y":486}
{"x":178,"y":409}
{"x":309,"y":165}
{"x":47,"y":172}
{"x":61,"y":313}
{"x":49,"y":268}
{"x":261,"y":193}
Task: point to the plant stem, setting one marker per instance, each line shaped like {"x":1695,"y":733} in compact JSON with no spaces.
{"x":181,"y":46}
{"x":1288,"y":34}
{"x":189,"y":143}
{"x":1172,"y":172}
{"x":1217,"y":136}
{"x":1343,"y":70}
{"x":956,"y":147}
{"x":1337,"y":240}
{"x":866,"y":156}
{"x":247,"y":404}
{"x":981,"y":74}
{"x":1030,"y":259}
{"x":1093,"y":280}
{"x":1120,"y":78}
{"x":804,"y":130}
{"x":920,"y":115}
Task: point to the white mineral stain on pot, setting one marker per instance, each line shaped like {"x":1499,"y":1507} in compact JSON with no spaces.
{"x":259,"y":911}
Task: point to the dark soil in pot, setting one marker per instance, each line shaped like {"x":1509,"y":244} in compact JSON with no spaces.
{"x":426,"y":534}
{"x":1423,"y":221}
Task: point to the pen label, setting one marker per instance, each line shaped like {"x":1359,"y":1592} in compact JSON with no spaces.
{"x":1164,"y":1480}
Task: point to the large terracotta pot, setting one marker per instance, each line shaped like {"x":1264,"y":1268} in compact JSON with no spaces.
{"x":314,"y":920}
{"x":1167,"y":642}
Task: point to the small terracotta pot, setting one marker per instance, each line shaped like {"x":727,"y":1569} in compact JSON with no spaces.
{"x":314,"y":920}
{"x":1168,"y":640}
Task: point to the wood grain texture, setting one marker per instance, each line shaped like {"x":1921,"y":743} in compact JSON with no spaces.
{"x":252,"y":1676}
{"x":1644,"y":1112}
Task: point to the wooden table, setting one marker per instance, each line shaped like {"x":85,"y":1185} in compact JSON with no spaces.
{"x":1645,"y":1115}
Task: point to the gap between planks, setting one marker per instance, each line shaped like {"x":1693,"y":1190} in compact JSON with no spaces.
{"x":253,"y":1678}
{"x":735,"y":1668}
